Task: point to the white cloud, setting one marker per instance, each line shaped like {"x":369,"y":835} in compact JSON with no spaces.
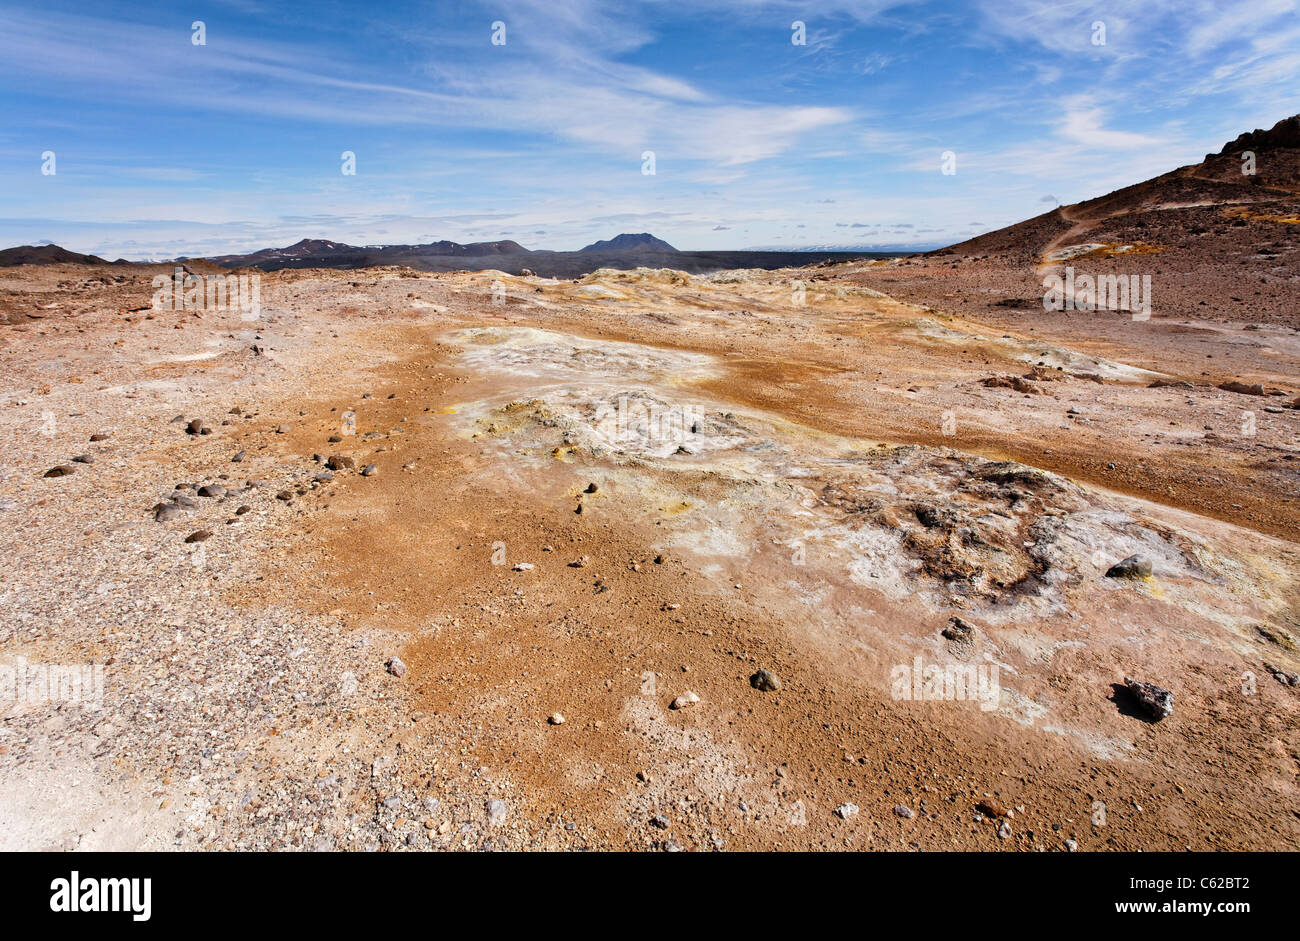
{"x":1084,"y":124}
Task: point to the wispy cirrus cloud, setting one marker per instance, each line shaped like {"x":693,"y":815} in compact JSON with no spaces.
{"x":545,"y":134}
{"x":562,"y":86}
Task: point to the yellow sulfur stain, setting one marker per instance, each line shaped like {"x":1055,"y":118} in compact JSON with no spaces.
{"x":1260,"y":216}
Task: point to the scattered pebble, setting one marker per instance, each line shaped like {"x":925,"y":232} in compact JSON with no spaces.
{"x":958,"y":630}
{"x":1156,"y":701}
{"x":687,"y":698}
{"x":991,"y":808}
{"x":1135,"y":566}
{"x":1282,"y":676}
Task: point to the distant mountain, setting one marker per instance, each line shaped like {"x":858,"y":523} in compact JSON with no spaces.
{"x":1176,"y":210}
{"x":622,"y":253}
{"x":1220,"y":236}
{"x":48,"y":254}
{"x":432,"y":256}
{"x":504,"y":247}
{"x":322,"y":253}
{"x":307,"y":248}
{"x":641,"y":242}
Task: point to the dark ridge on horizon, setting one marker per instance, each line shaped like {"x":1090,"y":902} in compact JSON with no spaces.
{"x":49,"y":255}
{"x":641,"y":242}
{"x":629,"y":250}
{"x":1283,"y":137}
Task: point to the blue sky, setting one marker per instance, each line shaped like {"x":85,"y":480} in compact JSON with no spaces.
{"x":165,"y":148}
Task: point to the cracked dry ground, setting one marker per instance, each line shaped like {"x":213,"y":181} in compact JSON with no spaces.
{"x":533,"y":543}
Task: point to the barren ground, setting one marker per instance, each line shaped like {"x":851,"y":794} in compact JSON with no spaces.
{"x":812,"y":490}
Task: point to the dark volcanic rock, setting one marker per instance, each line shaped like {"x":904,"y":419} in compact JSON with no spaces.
{"x":1156,"y":701}
{"x":962,"y":632}
{"x":1133,"y":567}
{"x":1285,"y":133}
{"x":1242,"y":388}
